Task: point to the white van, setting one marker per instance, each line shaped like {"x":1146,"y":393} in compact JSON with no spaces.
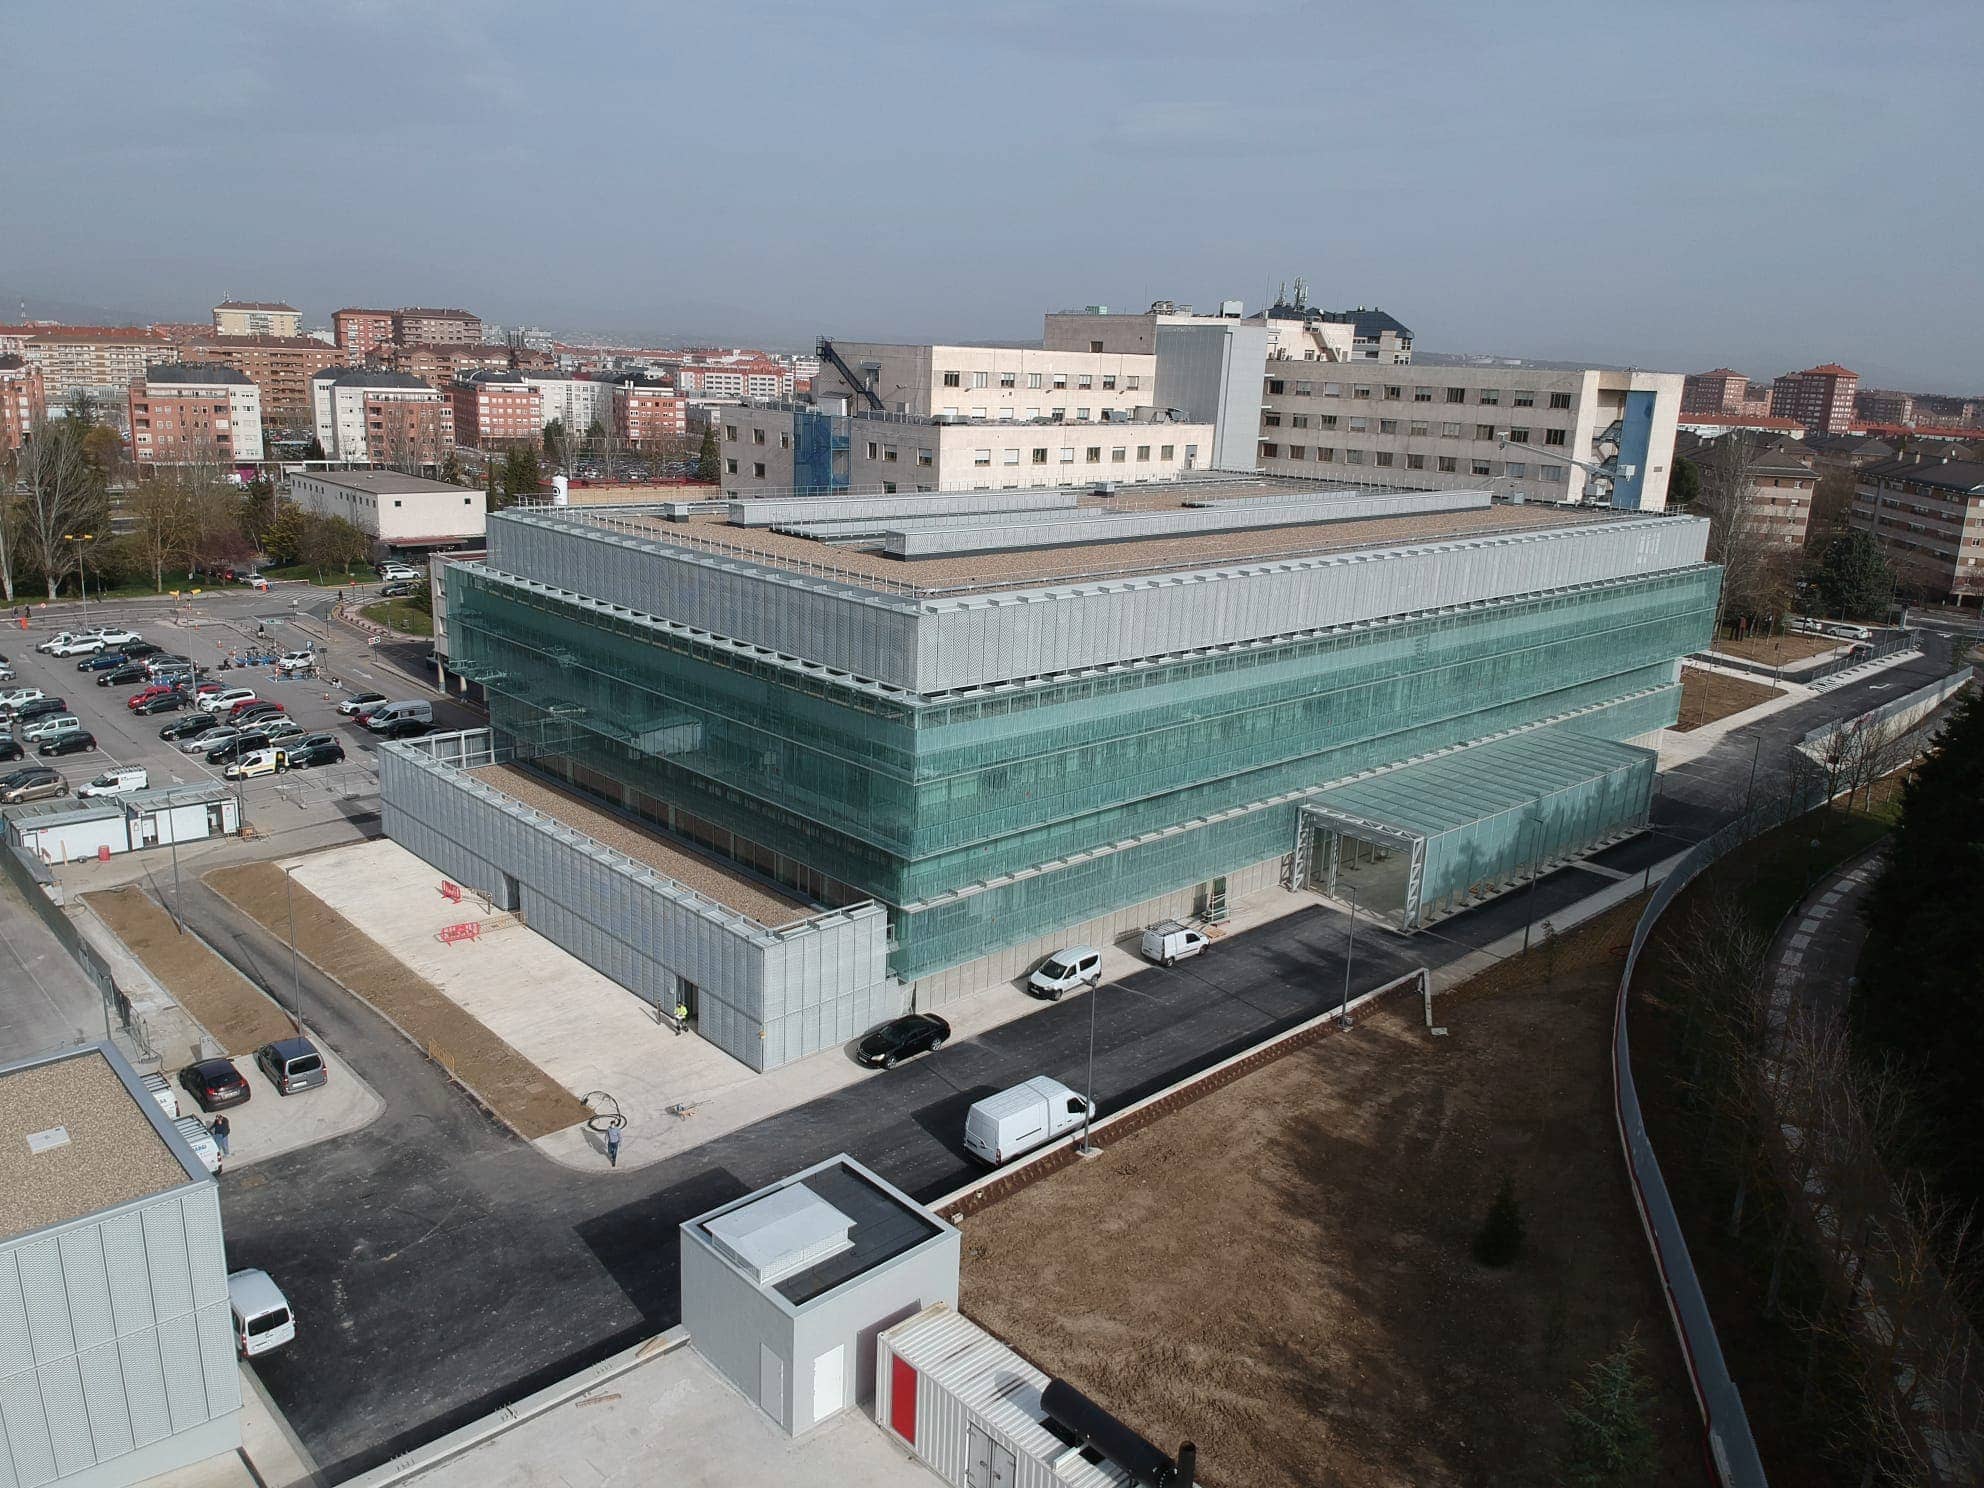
{"x":1168,"y":942}
{"x":200,"y":1140}
{"x":120,"y":782}
{"x":160,"y":1090}
{"x":41,"y":730}
{"x":1001,"y":1127}
{"x":387,"y":713}
{"x":1066,"y":969}
{"x":262,"y":1319}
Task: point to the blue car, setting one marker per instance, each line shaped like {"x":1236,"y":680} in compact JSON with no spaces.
{"x":103,"y":661}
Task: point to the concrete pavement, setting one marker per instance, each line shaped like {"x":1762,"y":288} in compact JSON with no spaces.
{"x":46,"y":1002}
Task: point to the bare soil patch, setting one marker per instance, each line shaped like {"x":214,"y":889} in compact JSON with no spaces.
{"x":1282,"y":1270}
{"x":1709,"y":696}
{"x":230,"y":1007}
{"x":522,"y":1095}
{"x":1778,"y":650}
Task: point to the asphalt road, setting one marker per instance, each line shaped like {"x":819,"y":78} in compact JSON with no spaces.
{"x":440,"y":1268}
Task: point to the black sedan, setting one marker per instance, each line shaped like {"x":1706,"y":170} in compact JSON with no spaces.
{"x":142,"y":648}
{"x":314,"y":749}
{"x":125,"y":676}
{"x":10,"y":747}
{"x":165,"y":702}
{"x":185,"y":728}
{"x":404,"y":728}
{"x":103,"y":661}
{"x":893,"y":1042}
{"x":80,"y":742}
{"x":214,"y":1083}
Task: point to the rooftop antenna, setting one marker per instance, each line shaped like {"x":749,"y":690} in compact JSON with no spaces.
{"x":1301,"y":292}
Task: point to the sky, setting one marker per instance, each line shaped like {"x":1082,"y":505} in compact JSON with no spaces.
{"x":1671,"y":185}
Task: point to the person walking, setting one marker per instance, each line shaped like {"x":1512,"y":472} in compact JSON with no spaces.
{"x":681,"y":1017}
{"x":612,"y":1146}
{"x":221,"y":1130}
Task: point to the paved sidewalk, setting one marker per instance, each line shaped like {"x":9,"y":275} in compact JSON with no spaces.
{"x":270,"y":1455}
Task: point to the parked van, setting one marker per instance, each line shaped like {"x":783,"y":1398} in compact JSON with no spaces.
{"x":1074,"y":966}
{"x":292,"y":1064}
{"x":160,"y":1089}
{"x":201,"y":1141}
{"x":120,"y":782}
{"x":418,"y":709}
{"x":51,"y":726}
{"x":1001,"y":1127}
{"x":1168,"y":942}
{"x":262,"y":1319}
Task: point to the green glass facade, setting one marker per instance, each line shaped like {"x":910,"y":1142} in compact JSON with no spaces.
{"x":918,"y":802}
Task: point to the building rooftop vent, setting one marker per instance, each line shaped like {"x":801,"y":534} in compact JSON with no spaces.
{"x":780,"y":1234}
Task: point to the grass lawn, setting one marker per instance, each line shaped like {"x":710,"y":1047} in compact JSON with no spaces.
{"x":397,"y":614}
{"x":331,"y":579}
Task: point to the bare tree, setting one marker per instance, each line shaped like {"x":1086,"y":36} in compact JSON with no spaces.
{"x":10,"y":518}
{"x":61,"y":494}
{"x":157,"y":510}
{"x":1755,"y":579}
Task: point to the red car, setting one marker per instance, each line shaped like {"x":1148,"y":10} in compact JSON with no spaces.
{"x":246,"y":703}
{"x":145,"y":695}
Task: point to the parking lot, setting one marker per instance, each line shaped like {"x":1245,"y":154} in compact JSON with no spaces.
{"x":209,"y":638}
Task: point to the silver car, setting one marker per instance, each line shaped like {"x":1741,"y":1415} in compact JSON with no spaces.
{"x":211,"y":740}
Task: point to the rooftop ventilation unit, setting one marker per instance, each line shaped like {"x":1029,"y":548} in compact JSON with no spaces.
{"x":780,"y":1234}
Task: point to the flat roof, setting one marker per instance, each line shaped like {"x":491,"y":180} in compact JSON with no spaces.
{"x":383,"y":482}
{"x":856,"y":563}
{"x":98,"y":1147}
{"x":751,"y":897}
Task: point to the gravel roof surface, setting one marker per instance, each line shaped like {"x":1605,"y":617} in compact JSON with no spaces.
{"x":112,"y":1156}
{"x":1024,"y":566}
{"x":749,"y":896}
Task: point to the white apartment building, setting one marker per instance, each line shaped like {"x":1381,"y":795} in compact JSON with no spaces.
{"x":779,"y":448}
{"x":401,"y":511}
{"x":341,"y":399}
{"x":98,"y":360}
{"x":577,"y":402}
{"x":1519,"y":428}
{"x":759,"y":380}
{"x":992,"y":383}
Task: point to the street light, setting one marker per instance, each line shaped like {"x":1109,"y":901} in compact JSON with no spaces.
{"x":295,"y":994}
{"x":1086,"y":1148}
{"x":1349,"y":945}
{"x":1535,"y":872}
{"x":82,"y":579}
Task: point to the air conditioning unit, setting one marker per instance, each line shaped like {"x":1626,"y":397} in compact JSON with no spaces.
{"x":1105,"y":488}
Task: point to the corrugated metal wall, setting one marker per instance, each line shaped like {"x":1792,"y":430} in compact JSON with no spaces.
{"x":764,"y":997}
{"x":114,"y":1338}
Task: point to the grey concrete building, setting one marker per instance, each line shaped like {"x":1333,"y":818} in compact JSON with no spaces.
{"x":785,"y":1290}
{"x":116,"y":1350}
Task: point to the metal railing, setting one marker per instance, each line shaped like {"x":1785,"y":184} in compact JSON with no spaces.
{"x":120,"y":1023}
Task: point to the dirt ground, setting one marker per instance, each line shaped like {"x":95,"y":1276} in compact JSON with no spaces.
{"x":235,"y":1011}
{"x":1778,"y":650}
{"x":1707,"y":696}
{"x":1282,"y":1273}
{"x":520,"y":1093}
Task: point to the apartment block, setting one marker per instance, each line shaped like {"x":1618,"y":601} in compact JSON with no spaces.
{"x":494,"y":409}
{"x":385,"y":418}
{"x":988,"y":382}
{"x":1928,"y":516}
{"x":759,"y":379}
{"x":1720,"y":391}
{"x":281,"y":366}
{"x":23,"y":402}
{"x":257,"y":318}
{"x":193,"y":413}
{"x":773,"y":449}
{"x":1779,"y":487}
{"x":1883,"y":406}
{"x":439,"y":363}
{"x":99,"y":361}
{"x":1517,"y":427}
{"x":648,"y":410}
{"x":359,"y":333}
{"x":436,"y":327}
{"x":577,"y":403}
{"x":1820,"y":398}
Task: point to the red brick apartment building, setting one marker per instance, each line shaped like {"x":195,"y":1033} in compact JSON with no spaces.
{"x":1720,"y":391}
{"x":187,"y":413}
{"x":495,"y":408}
{"x":439,"y":364}
{"x":281,"y":366}
{"x":647,"y":410}
{"x":23,"y":405}
{"x":438,"y":327}
{"x":1820,"y":398}
{"x":361,"y":332}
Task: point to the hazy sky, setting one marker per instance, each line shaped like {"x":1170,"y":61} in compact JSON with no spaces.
{"x":1669,"y":185}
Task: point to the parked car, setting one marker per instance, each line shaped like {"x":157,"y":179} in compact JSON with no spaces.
{"x":166,"y":661}
{"x":201,"y":1140}
{"x":209,"y":740}
{"x":251,"y":763}
{"x":292,"y":1064}
{"x":1001,"y":1127}
{"x":146,"y":694}
{"x":10,"y":747}
{"x":360,"y":702}
{"x":119,"y":782}
{"x":224,"y":699}
{"x":76,"y":741}
{"x":1168,"y":942}
{"x":137,"y":650}
{"x":262,"y":1316}
{"x":314,"y":749}
{"x":296,"y":661}
{"x":160,"y":1090}
{"x":39,"y":707}
{"x":15,"y":697}
{"x":215,"y":1084}
{"x":1065,"y":970}
{"x":279,"y":728}
{"x":902,"y":1038}
{"x":35,"y":783}
{"x":45,"y":726}
{"x":63,"y":638}
{"x":404,"y":728}
{"x":167,"y":701}
{"x":389,"y":713}
{"x":103,"y":661}
{"x":6,"y":672}
{"x":127,"y":675}
{"x":398,"y":589}
{"x":192,"y":724}
{"x":116,"y":635}
{"x":77,"y":645}
{"x":254,"y":705}
{"x":404,"y":572}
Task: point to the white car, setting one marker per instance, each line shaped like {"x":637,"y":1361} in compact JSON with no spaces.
{"x":226,"y":698}
{"x":211,"y":740}
{"x":362,"y":702}
{"x":296,"y":661}
{"x":19,"y":696}
{"x":60,"y":638}
{"x":399,"y":573}
{"x":279,"y":728}
{"x":120,"y":782}
{"x":112,"y":635}
{"x":82,"y":645}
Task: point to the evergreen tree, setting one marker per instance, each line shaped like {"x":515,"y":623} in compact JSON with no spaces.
{"x":1611,"y":1441}
{"x":709,"y":461}
{"x":1684,"y":484}
{"x":314,"y":450}
{"x":1853,"y":577}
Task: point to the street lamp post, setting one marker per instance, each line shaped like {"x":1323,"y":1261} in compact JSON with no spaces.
{"x":295,"y":994}
{"x":1535,"y":872}
{"x":1085,"y":1147}
{"x":1349,"y":946}
{"x":82,"y":579}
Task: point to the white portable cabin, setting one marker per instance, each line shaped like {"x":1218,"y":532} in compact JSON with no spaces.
{"x":77,"y":829}
{"x":969,"y":1408}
